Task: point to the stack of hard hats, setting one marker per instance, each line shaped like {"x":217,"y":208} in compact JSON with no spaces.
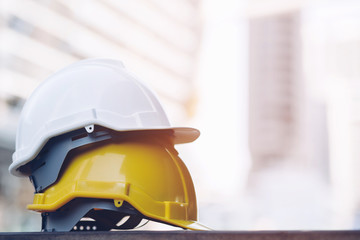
{"x":99,"y":150}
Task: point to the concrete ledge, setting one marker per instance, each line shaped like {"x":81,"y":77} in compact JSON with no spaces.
{"x":180,"y":235}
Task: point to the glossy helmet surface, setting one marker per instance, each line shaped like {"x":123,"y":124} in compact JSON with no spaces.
{"x":145,"y":172}
{"x":91,"y":92}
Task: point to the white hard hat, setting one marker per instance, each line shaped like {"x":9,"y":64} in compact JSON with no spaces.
{"x":90,"y":92}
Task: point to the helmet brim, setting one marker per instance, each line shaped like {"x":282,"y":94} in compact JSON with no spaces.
{"x":191,"y":225}
{"x":185,"y":135}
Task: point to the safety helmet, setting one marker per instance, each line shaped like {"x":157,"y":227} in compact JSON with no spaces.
{"x":91,"y":92}
{"x":142,"y":173}
{"x":96,"y":143}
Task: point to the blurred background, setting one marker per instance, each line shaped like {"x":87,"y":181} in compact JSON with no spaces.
{"x":273,"y":86}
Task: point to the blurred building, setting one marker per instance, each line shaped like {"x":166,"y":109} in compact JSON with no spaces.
{"x":283,"y":173}
{"x":275,"y":88}
{"x":303,"y":113}
{"x":157,"y":40}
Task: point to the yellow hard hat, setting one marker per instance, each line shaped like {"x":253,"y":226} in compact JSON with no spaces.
{"x":145,"y":173}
